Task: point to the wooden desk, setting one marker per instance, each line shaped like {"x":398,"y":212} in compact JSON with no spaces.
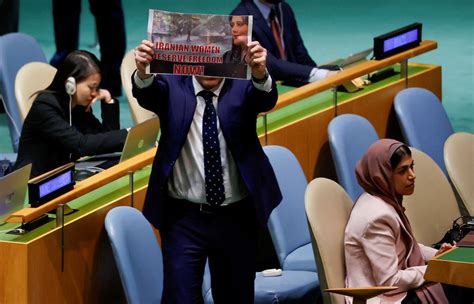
{"x":455,"y":267}
{"x":31,"y":263}
{"x":302,"y":126}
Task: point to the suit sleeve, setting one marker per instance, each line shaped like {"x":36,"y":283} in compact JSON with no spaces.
{"x":263,"y":101}
{"x":110,"y":114}
{"x":297,"y":45}
{"x":378,"y":243}
{"x":87,"y":123}
{"x":427,"y":252}
{"x":286,"y":70}
{"x":297,"y":69}
{"x":300,"y":65}
{"x":53,"y":127}
{"x":148,"y":97}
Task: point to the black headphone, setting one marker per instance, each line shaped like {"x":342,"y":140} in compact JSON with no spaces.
{"x":458,"y":231}
{"x":70,"y":85}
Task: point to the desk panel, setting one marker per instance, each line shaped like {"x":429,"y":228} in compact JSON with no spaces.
{"x":305,"y":134}
{"x":31,"y":263}
{"x":455,"y":267}
{"x":33,"y":271}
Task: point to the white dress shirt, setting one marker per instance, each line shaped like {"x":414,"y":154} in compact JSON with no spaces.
{"x":187,"y":178}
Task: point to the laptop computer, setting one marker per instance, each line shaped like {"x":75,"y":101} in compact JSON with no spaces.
{"x":351,"y":60}
{"x":140,"y":138}
{"x":335,"y":65}
{"x":13,"y":191}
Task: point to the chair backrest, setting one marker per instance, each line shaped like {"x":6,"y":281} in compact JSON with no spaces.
{"x":459,"y":160}
{"x":432,"y":208}
{"x":287,"y":224}
{"x":328,"y":208}
{"x":423,"y":121}
{"x":139,"y":114}
{"x":137,"y":254}
{"x":349,"y":137}
{"x":31,"y":77}
{"x":16,"y":49}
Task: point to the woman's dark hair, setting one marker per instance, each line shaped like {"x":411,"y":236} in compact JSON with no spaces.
{"x":397,"y":156}
{"x":78,"y":64}
{"x":244,"y":18}
{"x":236,"y":50}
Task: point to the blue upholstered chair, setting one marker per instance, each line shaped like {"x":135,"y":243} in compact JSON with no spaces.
{"x":349,"y":137}
{"x":137,"y":254}
{"x":424,"y":122}
{"x":287,"y":223}
{"x":292,"y":287}
{"x":288,"y":228}
{"x":16,"y":49}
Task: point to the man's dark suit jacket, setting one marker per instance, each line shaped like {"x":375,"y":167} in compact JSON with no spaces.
{"x":299,"y":64}
{"x":172,"y":99}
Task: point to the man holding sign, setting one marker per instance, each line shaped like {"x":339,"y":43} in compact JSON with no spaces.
{"x":211,"y":183}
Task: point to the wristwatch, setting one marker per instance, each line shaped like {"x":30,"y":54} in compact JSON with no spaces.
{"x":260,"y":81}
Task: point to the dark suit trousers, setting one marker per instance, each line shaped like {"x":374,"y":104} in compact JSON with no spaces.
{"x":110,"y":32}
{"x":227,"y":238}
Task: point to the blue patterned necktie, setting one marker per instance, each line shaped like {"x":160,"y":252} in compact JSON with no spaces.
{"x":215,"y":193}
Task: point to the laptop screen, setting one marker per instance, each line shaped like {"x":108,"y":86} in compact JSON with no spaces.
{"x":13,"y":191}
{"x":350,"y":60}
{"x":355,"y":58}
{"x":140,"y":138}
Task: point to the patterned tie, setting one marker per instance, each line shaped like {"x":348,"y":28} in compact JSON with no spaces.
{"x":277,"y":33}
{"x":215,"y":193}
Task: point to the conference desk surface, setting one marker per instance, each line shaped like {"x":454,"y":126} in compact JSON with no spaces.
{"x":302,"y":126}
{"x":455,"y":267}
{"x":33,"y":273}
{"x":70,"y":265}
{"x":324,"y":100}
{"x":82,"y":206}
{"x":278,"y":119}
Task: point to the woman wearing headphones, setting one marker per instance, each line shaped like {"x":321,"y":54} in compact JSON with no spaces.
{"x":60,"y":126}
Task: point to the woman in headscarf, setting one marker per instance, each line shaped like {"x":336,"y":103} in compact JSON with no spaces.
{"x":380,"y":249}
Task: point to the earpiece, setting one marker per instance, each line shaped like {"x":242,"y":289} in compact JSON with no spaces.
{"x":70,"y":85}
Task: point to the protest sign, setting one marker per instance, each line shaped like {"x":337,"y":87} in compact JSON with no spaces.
{"x":198,"y":44}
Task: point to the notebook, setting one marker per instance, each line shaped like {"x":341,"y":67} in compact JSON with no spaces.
{"x":140,"y":138}
{"x":13,"y":191}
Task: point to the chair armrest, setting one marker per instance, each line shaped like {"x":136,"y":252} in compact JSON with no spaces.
{"x":361,"y":294}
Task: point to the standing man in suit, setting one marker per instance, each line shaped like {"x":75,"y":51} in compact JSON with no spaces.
{"x":274,"y":26}
{"x":211,"y":183}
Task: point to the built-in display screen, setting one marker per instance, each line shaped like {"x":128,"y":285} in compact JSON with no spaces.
{"x":56,"y":183}
{"x":397,"y":41}
{"x":400,"y":40}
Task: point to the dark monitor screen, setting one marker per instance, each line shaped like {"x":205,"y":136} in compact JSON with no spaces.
{"x":397,"y":41}
{"x":50,"y":185}
{"x":400,"y":40}
{"x":55,"y":183}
